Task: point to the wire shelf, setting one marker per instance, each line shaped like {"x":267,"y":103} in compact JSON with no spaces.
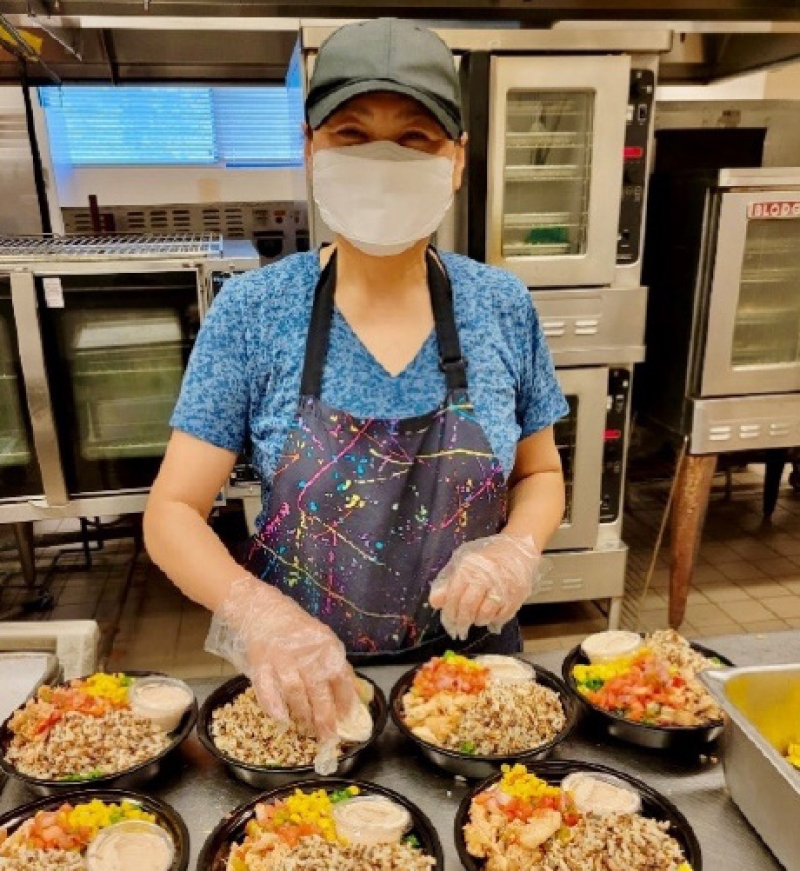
{"x":544,"y":249}
{"x":112,"y":247}
{"x":543,"y":173}
{"x":527,"y":220}
{"x":541,"y":139}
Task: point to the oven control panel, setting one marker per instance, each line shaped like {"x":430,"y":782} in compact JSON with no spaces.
{"x":619,"y":388}
{"x":634,"y":174}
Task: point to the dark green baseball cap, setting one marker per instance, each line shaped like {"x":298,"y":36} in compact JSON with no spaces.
{"x":385,"y":54}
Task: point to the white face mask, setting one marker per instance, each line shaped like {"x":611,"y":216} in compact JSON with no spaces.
{"x":381,"y":196}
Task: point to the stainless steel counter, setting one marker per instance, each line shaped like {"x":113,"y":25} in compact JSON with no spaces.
{"x":203,"y":793}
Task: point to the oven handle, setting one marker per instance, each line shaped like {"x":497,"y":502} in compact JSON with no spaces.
{"x":37,"y":389}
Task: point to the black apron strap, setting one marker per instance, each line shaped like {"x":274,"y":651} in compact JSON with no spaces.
{"x":451,"y":360}
{"x":319,"y":332}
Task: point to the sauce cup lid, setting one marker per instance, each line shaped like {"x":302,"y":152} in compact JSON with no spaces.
{"x":132,"y":827}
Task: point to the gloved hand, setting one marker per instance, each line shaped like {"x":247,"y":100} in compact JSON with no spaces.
{"x":296,"y":664}
{"x":486,"y":582}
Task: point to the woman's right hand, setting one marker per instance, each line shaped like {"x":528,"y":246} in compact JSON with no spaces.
{"x":296,"y":664}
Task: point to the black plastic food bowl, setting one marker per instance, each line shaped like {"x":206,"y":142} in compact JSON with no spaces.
{"x":131,"y":777}
{"x":680,"y":739}
{"x":654,"y":805}
{"x":478,"y":767}
{"x":214,"y":855}
{"x":168,"y":818}
{"x":266,"y":776}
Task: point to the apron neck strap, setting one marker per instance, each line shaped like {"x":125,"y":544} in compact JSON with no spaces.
{"x":451,"y":361}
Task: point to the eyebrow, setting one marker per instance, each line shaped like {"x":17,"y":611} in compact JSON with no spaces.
{"x":409,"y":114}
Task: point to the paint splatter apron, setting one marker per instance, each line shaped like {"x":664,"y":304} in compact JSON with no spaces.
{"x":364,"y":514}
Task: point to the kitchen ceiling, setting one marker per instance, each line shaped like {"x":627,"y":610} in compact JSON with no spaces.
{"x":129,"y":41}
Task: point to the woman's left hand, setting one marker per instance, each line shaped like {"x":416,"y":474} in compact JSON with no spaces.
{"x":485,"y":583}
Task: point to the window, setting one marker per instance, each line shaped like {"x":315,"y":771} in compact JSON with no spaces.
{"x":110,"y":126}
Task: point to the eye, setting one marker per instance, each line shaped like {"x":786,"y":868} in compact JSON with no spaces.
{"x":415,"y":137}
{"x":351,"y":134}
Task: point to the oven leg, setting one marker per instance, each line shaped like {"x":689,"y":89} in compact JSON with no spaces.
{"x":775,"y":461}
{"x":688,"y":515}
{"x":614,"y":613}
{"x":23,"y":533}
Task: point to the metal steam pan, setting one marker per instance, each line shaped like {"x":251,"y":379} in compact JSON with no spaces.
{"x":763,"y":707}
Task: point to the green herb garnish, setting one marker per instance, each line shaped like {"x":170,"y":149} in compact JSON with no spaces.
{"x":83,"y":775}
{"x":593,"y":684}
{"x":413,"y":841}
{"x":467,"y":747}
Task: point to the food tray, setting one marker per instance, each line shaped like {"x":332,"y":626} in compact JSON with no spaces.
{"x":262,"y":776}
{"x":763,"y":707}
{"x":214,"y":854}
{"x":167,"y":816}
{"x":128,"y":779}
{"x":478,"y":767}
{"x":654,"y":805}
{"x":22,"y":673}
{"x":680,"y":739}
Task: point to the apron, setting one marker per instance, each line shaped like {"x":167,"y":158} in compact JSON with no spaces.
{"x":363,"y":514}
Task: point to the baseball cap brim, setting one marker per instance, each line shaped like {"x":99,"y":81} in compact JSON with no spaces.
{"x":319,"y":110}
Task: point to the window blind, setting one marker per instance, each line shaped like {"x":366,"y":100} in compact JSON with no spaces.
{"x":257,"y":127}
{"x":230,"y":126}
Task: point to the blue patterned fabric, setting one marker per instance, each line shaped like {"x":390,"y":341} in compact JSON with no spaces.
{"x":244,"y":374}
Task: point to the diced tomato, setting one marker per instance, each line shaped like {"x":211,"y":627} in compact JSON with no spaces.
{"x":438,"y":675}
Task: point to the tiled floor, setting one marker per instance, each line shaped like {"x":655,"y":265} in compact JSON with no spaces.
{"x":747,"y":577}
{"x":747,"y":580}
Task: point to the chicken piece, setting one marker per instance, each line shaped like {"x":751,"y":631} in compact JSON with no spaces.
{"x":541,"y":828}
{"x":425,"y":734}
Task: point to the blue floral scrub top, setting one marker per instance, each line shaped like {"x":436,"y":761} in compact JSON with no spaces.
{"x":243,"y":378}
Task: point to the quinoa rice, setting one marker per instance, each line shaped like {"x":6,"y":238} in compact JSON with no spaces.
{"x":80,"y":745}
{"x":315,"y":854}
{"x":42,"y":860}
{"x":245,"y":732}
{"x":506,"y":717}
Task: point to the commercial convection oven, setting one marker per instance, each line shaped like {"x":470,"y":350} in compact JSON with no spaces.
{"x":95,"y":334}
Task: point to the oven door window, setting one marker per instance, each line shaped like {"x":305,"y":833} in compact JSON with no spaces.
{"x":752,"y":341}
{"x":767,"y":326}
{"x":566,"y":435}
{"x":19,"y":472}
{"x":548,"y":167}
{"x":116,"y":355}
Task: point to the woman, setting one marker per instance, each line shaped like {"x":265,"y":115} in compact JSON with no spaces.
{"x":399,"y":401}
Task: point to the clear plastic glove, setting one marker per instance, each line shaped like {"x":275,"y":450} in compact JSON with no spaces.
{"x":296,"y":664}
{"x":486,"y":582}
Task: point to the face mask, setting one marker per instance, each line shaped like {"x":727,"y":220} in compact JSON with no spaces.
{"x":381,"y":196}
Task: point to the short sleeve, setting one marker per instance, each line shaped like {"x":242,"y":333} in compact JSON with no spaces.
{"x":214,"y":400}
{"x":540,"y":400}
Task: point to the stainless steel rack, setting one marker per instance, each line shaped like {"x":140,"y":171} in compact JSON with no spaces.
{"x":112,"y":247}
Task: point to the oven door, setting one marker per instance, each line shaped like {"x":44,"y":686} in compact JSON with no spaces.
{"x":753,"y":333}
{"x":579,"y":437}
{"x":19,"y":471}
{"x":555,"y":161}
{"x":116,"y":347}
